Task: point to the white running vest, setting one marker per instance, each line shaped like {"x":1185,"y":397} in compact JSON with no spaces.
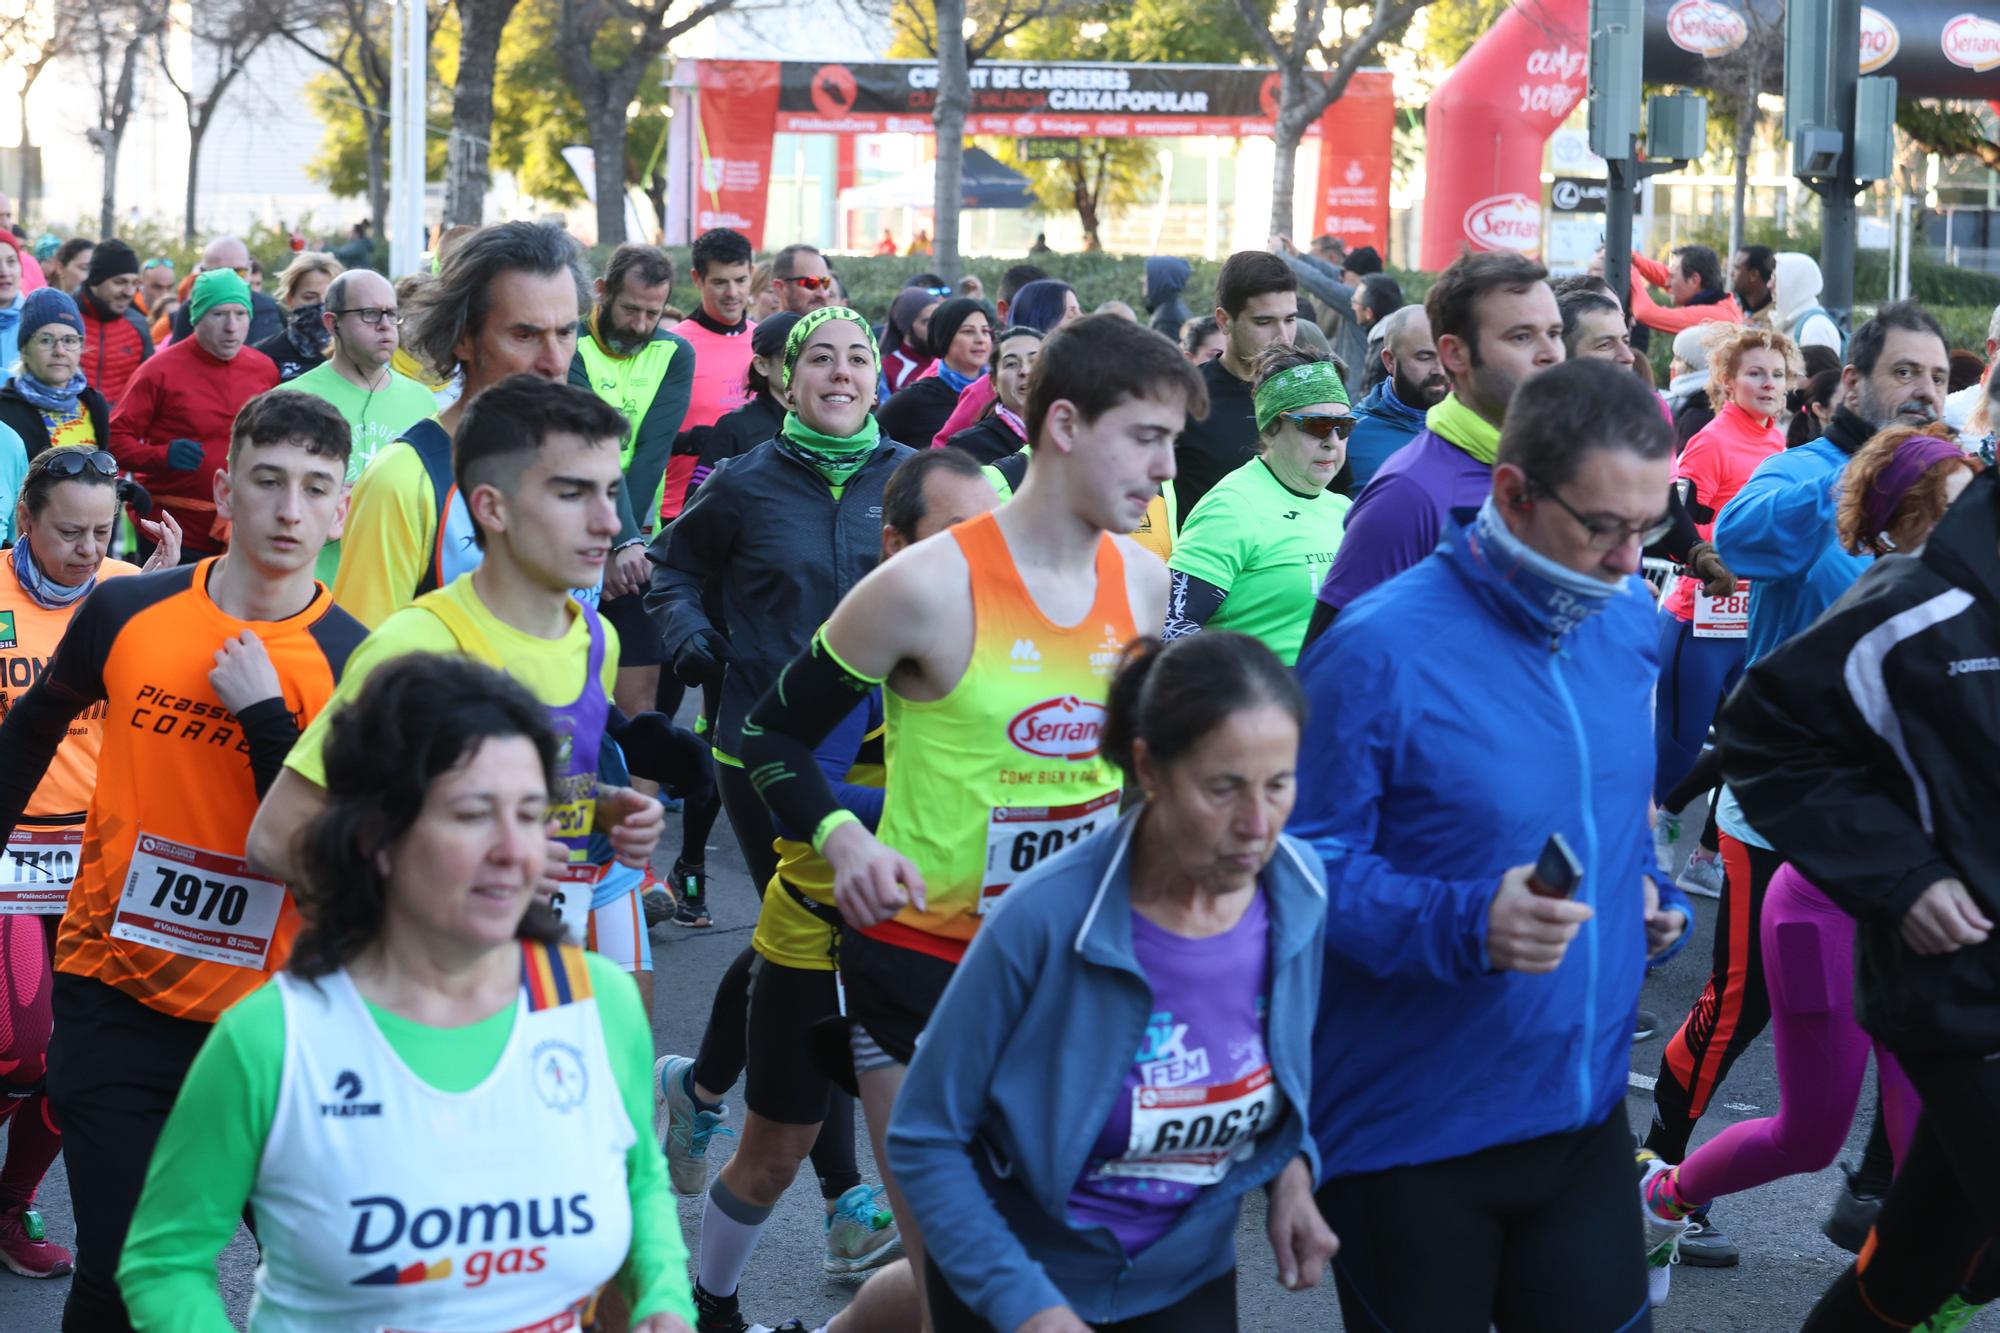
{"x":386,"y":1206}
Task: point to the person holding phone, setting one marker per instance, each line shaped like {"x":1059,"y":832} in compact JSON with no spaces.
{"x":1525,"y":649}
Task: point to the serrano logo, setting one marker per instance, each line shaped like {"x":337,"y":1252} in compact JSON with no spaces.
{"x":1880,"y":40}
{"x":1973,"y":42}
{"x":1505,"y":222}
{"x":1706,"y":28}
{"x":1064,"y":728}
{"x":833,"y":90}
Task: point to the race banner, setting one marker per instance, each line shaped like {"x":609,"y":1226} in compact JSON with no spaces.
{"x":739,"y":108}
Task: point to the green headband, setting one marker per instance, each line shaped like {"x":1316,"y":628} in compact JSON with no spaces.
{"x":1301,"y":386}
{"x":795,"y":341}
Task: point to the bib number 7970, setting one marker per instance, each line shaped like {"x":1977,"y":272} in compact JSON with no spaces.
{"x":198,"y":903}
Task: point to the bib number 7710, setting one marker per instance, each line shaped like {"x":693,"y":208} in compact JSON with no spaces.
{"x":1019,"y":838}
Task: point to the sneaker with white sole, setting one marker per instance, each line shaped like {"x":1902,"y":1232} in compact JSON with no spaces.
{"x":1662,"y":1234}
{"x":1703,"y":873}
{"x":1666,"y":832}
{"x":25,"y":1246}
{"x":720,"y":1314}
{"x":1706,"y":1245}
{"x":861,"y":1232}
{"x":684,"y":1130}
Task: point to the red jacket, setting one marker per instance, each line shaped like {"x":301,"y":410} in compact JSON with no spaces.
{"x":113,"y":346}
{"x":1673,"y":318}
{"x":185,"y":393}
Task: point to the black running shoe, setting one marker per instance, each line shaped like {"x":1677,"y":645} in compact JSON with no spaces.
{"x":1853,"y":1214}
{"x":690,"y":886}
{"x":718,"y":1314}
{"x":1705,"y":1245}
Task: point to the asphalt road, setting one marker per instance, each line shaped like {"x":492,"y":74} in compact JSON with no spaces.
{"x":1786,"y":1262}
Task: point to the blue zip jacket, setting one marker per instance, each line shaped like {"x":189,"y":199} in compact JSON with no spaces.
{"x":1022,"y":1063}
{"x":1454,"y":727}
{"x":1383,"y":423}
{"x":1779,"y":532}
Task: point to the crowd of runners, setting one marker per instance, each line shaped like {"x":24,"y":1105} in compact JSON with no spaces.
{"x":1175,"y":755}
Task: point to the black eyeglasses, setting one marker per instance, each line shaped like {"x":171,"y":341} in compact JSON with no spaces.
{"x":70,"y":461}
{"x":1319,"y":425}
{"x":1608,"y":535}
{"x":372,"y":315}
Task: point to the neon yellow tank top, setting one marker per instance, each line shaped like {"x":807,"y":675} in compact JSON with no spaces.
{"x":1004,"y":770}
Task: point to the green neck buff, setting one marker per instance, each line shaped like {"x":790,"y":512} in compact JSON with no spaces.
{"x":834,"y":457}
{"x":1460,"y":425}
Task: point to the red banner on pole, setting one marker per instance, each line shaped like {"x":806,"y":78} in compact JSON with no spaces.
{"x":739,"y":114}
{"x":1354,"y":162}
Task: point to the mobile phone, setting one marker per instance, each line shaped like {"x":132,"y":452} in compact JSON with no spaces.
{"x":1557,"y":872}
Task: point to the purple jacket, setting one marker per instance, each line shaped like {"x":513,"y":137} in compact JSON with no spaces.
{"x":1399,"y":516}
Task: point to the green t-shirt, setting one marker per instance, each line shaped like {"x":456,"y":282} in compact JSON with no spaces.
{"x":1269,"y":547}
{"x":205,"y":1164}
{"x":375,"y":418}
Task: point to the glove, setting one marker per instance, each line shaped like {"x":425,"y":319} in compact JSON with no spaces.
{"x":701,"y":659}
{"x":672,"y":756}
{"x":185,"y":455}
{"x":1705,"y":563}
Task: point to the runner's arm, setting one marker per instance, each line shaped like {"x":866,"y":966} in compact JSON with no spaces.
{"x":1778,"y":524}
{"x":131,"y":427}
{"x":687,"y":558}
{"x":391,"y":524}
{"x":39,"y":720}
{"x":813,"y":695}
{"x":270,"y":731}
{"x":1191,"y":602}
{"x":939,"y":1115}
{"x":835,"y":756}
{"x":203,"y":1170}
{"x":655,"y":440}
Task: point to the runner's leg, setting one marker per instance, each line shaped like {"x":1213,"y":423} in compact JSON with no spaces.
{"x":33,"y":1140}
{"x":1571,"y":1262}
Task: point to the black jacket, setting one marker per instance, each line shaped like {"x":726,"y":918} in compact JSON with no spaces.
{"x":918,"y":411}
{"x":766,"y":537}
{"x":731,"y":435}
{"x":988,"y":440}
{"x":1864,"y":751}
{"x":26,"y":419}
{"x":287,"y":358}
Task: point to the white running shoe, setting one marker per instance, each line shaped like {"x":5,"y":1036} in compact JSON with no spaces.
{"x":1663,"y":1235}
{"x":1703,"y":873}
{"x":1666,"y":832}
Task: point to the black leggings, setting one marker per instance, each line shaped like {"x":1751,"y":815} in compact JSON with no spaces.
{"x":1939,"y":1225}
{"x":1211,"y":1308}
{"x":1542,"y":1236}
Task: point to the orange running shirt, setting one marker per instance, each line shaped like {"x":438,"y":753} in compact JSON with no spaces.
{"x":163,"y":907}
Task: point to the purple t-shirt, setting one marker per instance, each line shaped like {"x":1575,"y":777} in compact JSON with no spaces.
{"x":1400,"y":514}
{"x":1199,"y":1091}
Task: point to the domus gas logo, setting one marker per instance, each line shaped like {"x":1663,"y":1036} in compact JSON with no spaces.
{"x":1706,"y":28}
{"x":1973,"y":42}
{"x":1505,"y":222}
{"x":1065,"y":728}
{"x":1880,"y":39}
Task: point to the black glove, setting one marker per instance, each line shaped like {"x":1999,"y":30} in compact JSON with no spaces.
{"x":701,"y":659}
{"x":185,"y":455}
{"x":672,"y":756}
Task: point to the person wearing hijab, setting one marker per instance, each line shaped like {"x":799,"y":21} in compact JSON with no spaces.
{"x":961,"y":337}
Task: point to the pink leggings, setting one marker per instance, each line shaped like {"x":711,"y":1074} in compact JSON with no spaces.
{"x":25,"y":1023}
{"x":1822,"y":1054}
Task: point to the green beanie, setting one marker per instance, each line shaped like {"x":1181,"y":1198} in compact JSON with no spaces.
{"x":217,"y":286}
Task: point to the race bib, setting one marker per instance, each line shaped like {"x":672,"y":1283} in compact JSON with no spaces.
{"x":202,"y":904}
{"x":1722,"y":617}
{"x":572,"y":899}
{"x":37,"y":871}
{"x":1191,"y":1135}
{"x":569,"y":1321}
{"x":1019,"y":837}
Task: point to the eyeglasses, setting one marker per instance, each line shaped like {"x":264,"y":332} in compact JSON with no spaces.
{"x":1319,"y":425}
{"x":1608,"y":535}
{"x":812,"y":284}
{"x":157,"y":262}
{"x":372,"y":315}
{"x":70,"y":461}
{"x":51,"y":342}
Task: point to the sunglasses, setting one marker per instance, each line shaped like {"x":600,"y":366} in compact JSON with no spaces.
{"x":70,"y":461}
{"x":810,"y":284}
{"x":151,"y":264}
{"x":1320,"y":425}
{"x":938,"y":291}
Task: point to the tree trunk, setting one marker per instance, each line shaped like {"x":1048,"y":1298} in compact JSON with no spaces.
{"x":466,"y":171}
{"x":954,"y":100}
{"x":30,"y":178}
{"x":1284,"y":176}
{"x":107,"y":209}
{"x":1746,"y":138}
{"x":195,"y":134}
{"x":607,"y":146}
{"x":378,"y":169}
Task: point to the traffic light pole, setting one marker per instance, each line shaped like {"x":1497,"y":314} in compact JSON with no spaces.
{"x":1838,"y":192}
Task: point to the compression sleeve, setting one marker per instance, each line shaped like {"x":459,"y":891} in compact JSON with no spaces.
{"x":812,"y":694}
{"x":270,"y":730}
{"x":1191,"y":602}
{"x":1679,"y":540}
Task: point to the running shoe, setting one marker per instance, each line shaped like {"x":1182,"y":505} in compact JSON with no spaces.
{"x":1666,"y":832}
{"x":1705,"y":1245}
{"x":1663,"y":1234}
{"x":690,"y":890}
{"x":719,"y":1314}
{"x":861,"y":1232}
{"x":1955,"y":1314}
{"x":1703,"y":873}
{"x":656,"y":899}
{"x":25,"y":1247}
{"x":1853,"y":1214}
{"x":1647,"y":1026}
{"x":683,"y":1130}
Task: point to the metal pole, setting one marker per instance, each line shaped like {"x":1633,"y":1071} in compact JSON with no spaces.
{"x":1837,"y":243}
{"x":406,"y":138}
{"x":1618,"y":202}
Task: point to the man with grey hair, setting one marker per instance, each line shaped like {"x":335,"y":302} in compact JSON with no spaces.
{"x":506,"y":303}
{"x":364,"y":326}
{"x":1958,"y":406}
{"x":1392,"y":413}
{"x":267,"y":320}
{"x":804,"y":281}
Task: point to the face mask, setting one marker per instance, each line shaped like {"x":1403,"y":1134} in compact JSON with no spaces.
{"x":306,"y":330}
